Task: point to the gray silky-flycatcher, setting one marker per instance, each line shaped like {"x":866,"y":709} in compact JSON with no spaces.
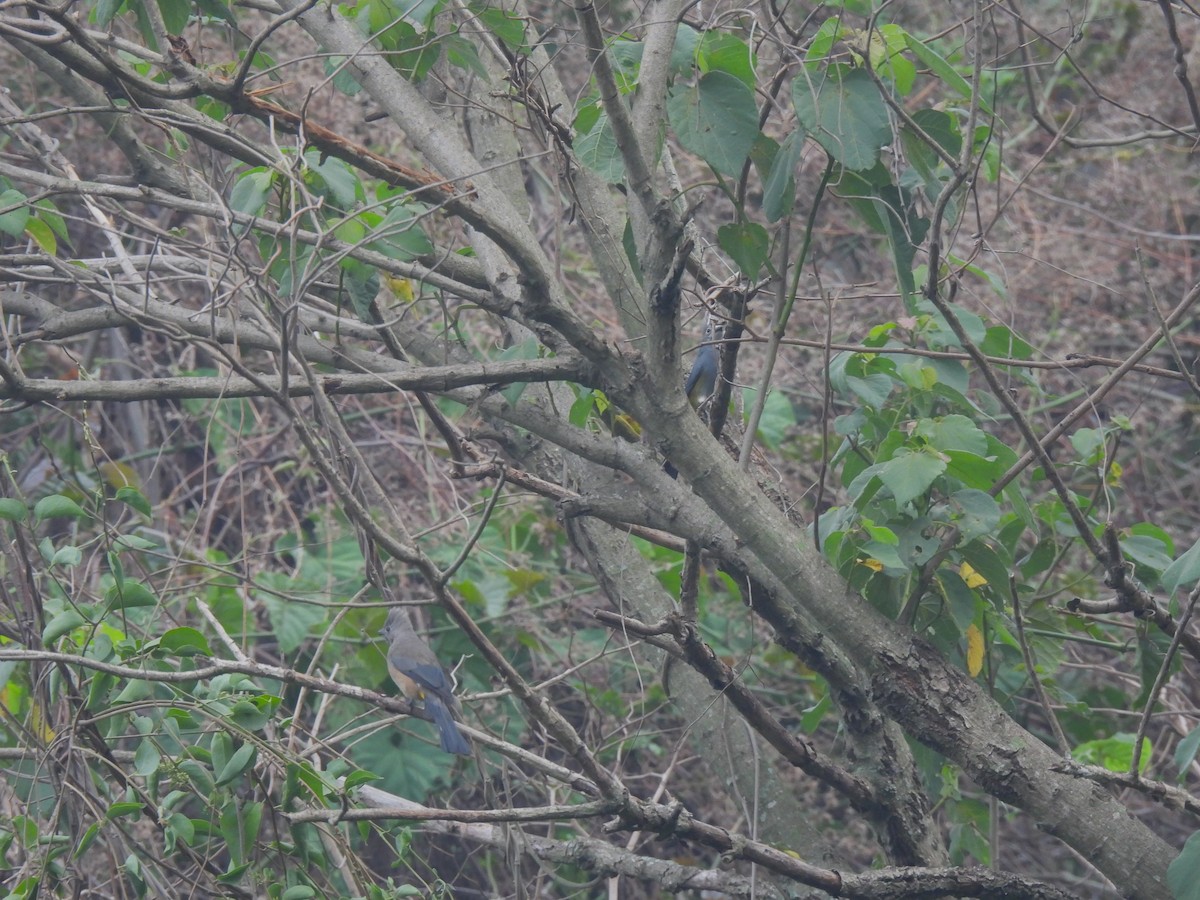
{"x":701,"y":382}
{"x":419,"y":675}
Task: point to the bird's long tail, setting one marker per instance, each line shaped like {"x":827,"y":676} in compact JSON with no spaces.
{"x":452,"y":739}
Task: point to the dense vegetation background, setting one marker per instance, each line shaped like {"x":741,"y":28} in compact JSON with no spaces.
{"x":313,"y":309}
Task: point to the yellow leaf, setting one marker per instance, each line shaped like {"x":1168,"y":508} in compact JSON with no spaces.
{"x":38,"y":722}
{"x":974,"y":650}
{"x":970,"y":576}
{"x":1114,"y":474}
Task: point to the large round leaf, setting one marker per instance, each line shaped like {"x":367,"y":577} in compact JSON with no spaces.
{"x":715,"y":118}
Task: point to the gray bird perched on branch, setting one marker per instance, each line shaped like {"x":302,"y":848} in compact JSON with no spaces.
{"x":701,"y":382}
{"x":419,"y":675}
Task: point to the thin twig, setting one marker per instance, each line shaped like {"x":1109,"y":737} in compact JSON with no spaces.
{"x":1064,"y":747}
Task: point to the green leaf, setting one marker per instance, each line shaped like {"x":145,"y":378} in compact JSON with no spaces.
{"x":176,"y":14}
{"x":942,"y":129}
{"x":462,"y":53}
{"x":507,"y":26}
{"x":228,"y":825}
{"x":779,"y":189}
{"x":683,"y":53}
{"x":134,"y":498}
{"x":887,"y":44}
{"x":291,"y":621}
{"x":1114,"y":753}
{"x":844,"y":112}
{"x":597,"y":149}
{"x":13,"y":510}
{"x":362,"y":287}
{"x":889,"y":210}
{"x":349,"y":231}
{"x":1183,"y":875}
{"x":1001,"y":341}
{"x":147,"y":758}
{"x":627,"y":63}
{"x":526,"y":350}
{"x":1089,"y":444}
{"x":214,"y":109}
{"x":990,"y":562}
{"x":1185,"y":753}
{"x":178,"y":828}
{"x":117,"y":567}
{"x":917,"y":375}
{"x":721,"y":51}
{"x":250,"y":194}
{"x":134,"y":542}
{"x":1184,"y":572}
{"x":871,"y":389}
{"x":335,"y":177}
{"x":342,"y":76}
{"x":1149,"y":553}
{"x":880,"y":533}
{"x":717,"y":119}
{"x":410,"y":51}
{"x":941,"y":335}
{"x":129,"y":595}
{"x":963,"y":602}
{"x":910,"y":474}
{"x":66,"y":557}
{"x":357,"y":777}
{"x":778,"y":417}
{"x":940,"y":67}
{"x":185,"y":641}
{"x":421,"y":13}
{"x":133,"y":871}
{"x":581,"y":409}
{"x":199,"y":775}
{"x":67,"y":620}
{"x":399,"y":234}
{"x":13,"y":221}
{"x":762,"y":154}
{"x":251,"y":716}
{"x":86,"y":841}
{"x":222,"y":750}
{"x":57,"y":506}
{"x":1146,"y":529}
{"x":747,"y":244}
{"x":887,"y":555}
{"x":106,"y":11}
{"x":252,"y":814}
{"x":42,"y":235}
{"x":953,"y":432}
{"x":827,"y":35}
{"x":233,"y":874}
{"x":814,"y":714}
{"x":241,"y":760}
{"x":975,"y":512}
